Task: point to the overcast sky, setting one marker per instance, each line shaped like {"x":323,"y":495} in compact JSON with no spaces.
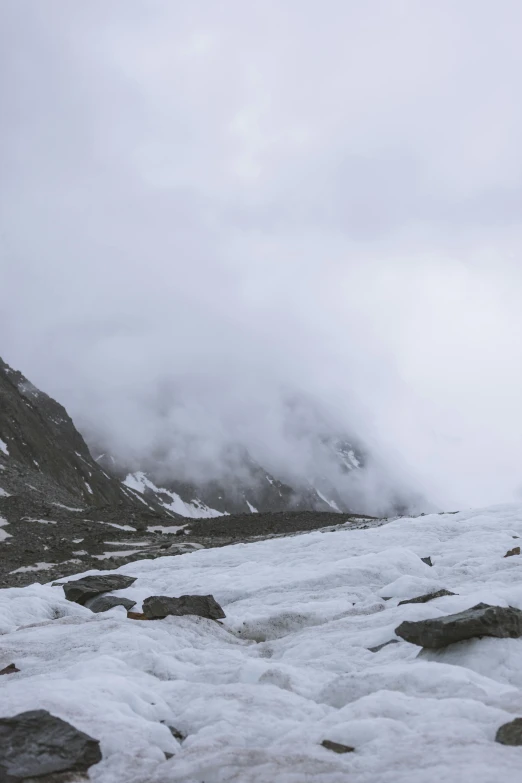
{"x":238,"y":198}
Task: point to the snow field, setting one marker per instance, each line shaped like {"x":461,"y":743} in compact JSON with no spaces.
{"x":290,"y":665}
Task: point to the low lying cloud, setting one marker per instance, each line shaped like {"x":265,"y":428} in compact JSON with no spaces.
{"x":206,"y":210}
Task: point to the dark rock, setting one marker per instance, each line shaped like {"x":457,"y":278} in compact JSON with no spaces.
{"x":337,"y":747}
{"x":423,"y":599}
{"x":81,"y":590}
{"x":102,"y":603}
{"x":380,"y":646}
{"x":176,"y":734}
{"x":159,"y":606}
{"x":427,"y":560}
{"x":168,"y":755}
{"x":514,"y":551}
{"x":11,"y":669}
{"x":510,"y":733}
{"x":480,"y":620}
{"x":36,"y":743}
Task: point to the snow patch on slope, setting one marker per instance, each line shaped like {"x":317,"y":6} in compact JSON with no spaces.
{"x":140,"y":483}
{"x":3,"y":447}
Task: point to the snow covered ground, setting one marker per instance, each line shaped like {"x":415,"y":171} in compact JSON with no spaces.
{"x":290,"y":666}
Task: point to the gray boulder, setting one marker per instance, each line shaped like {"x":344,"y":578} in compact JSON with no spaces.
{"x":337,"y":747}
{"x":480,"y":620}
{"x":81,"y":590}
{"x":102,"y":603}
{"x":36,"y":743}
{"x":423,"y":599}
{"x":159,"y":606}
{"x":510,"y":733}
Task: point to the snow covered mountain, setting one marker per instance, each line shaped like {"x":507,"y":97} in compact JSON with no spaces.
{"x":310,"y":675}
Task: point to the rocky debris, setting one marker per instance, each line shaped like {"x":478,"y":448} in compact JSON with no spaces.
{"x":245,"y":526}
{"x":510,"y":733}
{"x":102,"y":603}
{"x":514,"y":551}
{"x":427,"y":560}
{"x":87,"y":587}
{"x":423,"y":599}
{"x":136,"y":616}
{"x":337,"y":747}
{"x":11,"y":669}
{"x":480,"y":620}
{"x":158,"y":606}
{"x":380,"y":646}
{"x":36,"y":743}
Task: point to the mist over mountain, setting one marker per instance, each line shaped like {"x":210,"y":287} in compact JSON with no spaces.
{"x":206,"y":211}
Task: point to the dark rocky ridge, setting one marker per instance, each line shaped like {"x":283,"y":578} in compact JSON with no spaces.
{"x":47,"y":456}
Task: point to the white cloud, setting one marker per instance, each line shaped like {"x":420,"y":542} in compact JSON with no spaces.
{"x":245,"y":198}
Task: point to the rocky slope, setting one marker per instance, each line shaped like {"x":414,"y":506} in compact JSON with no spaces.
{"x":58,"y":507}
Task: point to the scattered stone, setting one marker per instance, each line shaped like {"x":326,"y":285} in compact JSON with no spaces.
{"x":337,"y":747}
{"x":380,"y":646}
{"x":81,"y":590}
{"x":510,"y":733}
{"x":168,"y":755}
{"x":136,"y":616}
{"x":11,"y":669}
{"x":480,"y":620}
{"x":176,"y":734}
{"x":159,"y":606}
{"x":102,"y":603}
{"x":36,"y":743}
{"x":427,"y":560}
{"x":514,"y":551}
{"x":423,"y":599}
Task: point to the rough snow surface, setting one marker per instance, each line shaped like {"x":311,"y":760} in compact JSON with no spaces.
{"x":290,"y":665}
{"x":195,"y":510}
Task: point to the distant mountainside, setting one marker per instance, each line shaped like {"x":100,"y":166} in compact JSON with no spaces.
{"x":243,"y":486}
{"x":63,"y":511}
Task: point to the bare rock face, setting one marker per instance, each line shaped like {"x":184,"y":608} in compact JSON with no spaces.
{"x":80,"y":590}
{"x":514,"y":551}
{"x":480,"y":620}
{"x":510,"y":733}
{"x":102,"y":603}
{"x":35,"y":744}
{"x":423,"y":599}
{"x":159,"y":606}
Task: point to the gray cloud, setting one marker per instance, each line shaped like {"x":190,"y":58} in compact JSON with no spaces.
{"x":205,"y":206}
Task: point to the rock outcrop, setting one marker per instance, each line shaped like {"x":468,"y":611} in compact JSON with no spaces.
{"x":480,"y":620}
{"x":36,"y":743}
